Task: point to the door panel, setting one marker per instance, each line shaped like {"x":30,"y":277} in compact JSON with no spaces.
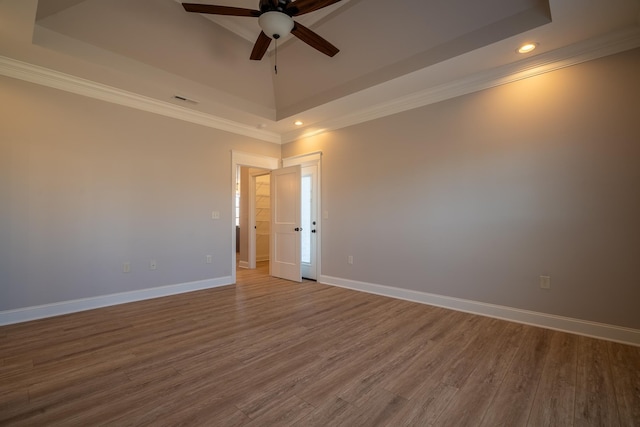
{"x":285,"y":223}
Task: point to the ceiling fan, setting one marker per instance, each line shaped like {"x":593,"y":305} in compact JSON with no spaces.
{"x":276,"y":20}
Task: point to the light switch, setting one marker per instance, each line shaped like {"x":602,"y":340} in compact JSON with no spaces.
{"x":215,"y":215}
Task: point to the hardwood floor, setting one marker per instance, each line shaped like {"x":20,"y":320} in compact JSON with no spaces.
{"x":270,"y":352}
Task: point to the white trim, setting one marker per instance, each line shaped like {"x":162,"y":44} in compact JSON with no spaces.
{"x":243,"y":264}
{"x":58,"y":80}
{"x":577,"y":53}
{"x":254,"y":160}
{"x":549,"y":321}
{"x":307,"y":159}
{"x":8,"y":317}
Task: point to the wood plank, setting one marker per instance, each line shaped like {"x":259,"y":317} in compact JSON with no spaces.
{"x":475,"y":395}
{"x":288,"y":412}
{"x":329,"y":412}
{"x":625,"y":366}
{"x":428,"y":405}
{"x":378,"y":410}
{"x":445,"y":351}
{"x":595,"y":396}
{"x":557,"y":387}
{"x":513,"y":400}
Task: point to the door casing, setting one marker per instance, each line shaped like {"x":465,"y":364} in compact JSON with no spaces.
{"x":239,"y":158}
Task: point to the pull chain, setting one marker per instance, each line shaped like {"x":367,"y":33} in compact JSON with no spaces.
{"x":275,"y":67}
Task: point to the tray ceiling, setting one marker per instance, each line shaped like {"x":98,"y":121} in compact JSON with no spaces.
{"x":388,"y":49}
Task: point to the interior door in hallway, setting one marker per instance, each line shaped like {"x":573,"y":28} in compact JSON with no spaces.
{"x":285,"y":223}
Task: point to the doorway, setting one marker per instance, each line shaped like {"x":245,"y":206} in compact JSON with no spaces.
{"x":239,"y":159}
{"x":310,"y":224}
{"x":259,"y":217}
{"x":252,"y":216}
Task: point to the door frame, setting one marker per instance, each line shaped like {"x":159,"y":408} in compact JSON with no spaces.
{"x":312,"y":159}
{"x":239,"y":158}
{"x":252,"y":216}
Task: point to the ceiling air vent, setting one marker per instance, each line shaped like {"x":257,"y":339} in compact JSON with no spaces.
{"x":185,"y":99}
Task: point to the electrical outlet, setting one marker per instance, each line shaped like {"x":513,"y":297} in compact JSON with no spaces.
{"x":152,"y":264}
{"x":208,"y":259}
{"x":545,"y":282}
{"x":126,"y":267}
{"x":350,"y":259}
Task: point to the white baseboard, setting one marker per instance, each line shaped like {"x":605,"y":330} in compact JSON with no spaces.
{"x":8,"y":317}
{"x":243,"y":264}
{"x":565,"y":324}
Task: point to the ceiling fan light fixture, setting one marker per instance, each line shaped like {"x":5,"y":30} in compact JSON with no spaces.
{"x":275,"y":24}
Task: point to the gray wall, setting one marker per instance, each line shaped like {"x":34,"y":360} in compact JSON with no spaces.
{"x":478,"y":196}
{"x":474,"y":197}
{"x":87,"y":185}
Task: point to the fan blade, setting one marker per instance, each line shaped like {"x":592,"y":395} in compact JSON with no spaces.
{"x":260,"y":47}
{"x":300,"y":7}
{"x":314,"y":40}
{"x":220,"y":10}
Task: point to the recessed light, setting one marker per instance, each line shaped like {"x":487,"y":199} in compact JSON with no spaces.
{"x":527,"y":47}
{"x":298,"y":123}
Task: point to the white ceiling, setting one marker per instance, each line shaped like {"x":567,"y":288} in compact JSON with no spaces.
{"x":390,"y":50}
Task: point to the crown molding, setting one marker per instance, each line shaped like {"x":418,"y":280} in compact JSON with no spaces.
{"x":43,"y":76}
{"x":577,"y":53}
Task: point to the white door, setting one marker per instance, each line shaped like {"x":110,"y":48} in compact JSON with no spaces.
{"x":285,"y":223}
{"x":309,"y":221}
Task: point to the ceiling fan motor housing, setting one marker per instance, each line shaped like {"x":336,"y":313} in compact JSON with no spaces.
{"x":270,"y":5}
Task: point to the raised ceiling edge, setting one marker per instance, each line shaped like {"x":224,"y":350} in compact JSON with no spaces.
{"x":587,"y":50}
{"x":43,"y":76}
{"x":594,"y":48}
